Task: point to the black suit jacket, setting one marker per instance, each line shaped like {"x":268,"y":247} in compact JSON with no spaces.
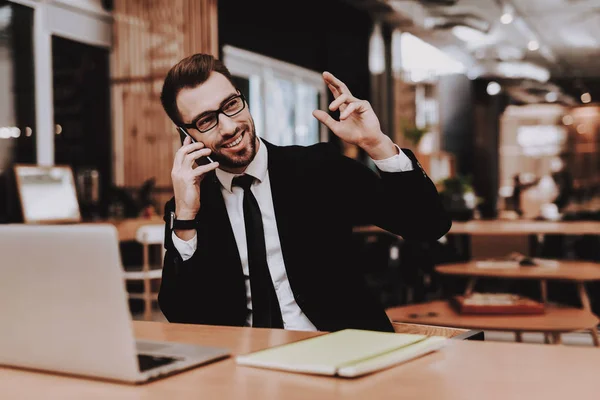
{"x":318,"y":196}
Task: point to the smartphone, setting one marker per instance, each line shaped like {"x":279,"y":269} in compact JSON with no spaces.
{"x":182,"y":136}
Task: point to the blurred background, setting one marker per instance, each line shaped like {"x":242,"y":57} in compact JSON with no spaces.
{"x":496,"y":95}
{"x":498,"y":99}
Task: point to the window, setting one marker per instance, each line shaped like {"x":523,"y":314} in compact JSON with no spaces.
{"x":281,"y":97}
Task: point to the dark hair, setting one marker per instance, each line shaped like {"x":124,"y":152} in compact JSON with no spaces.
{"x":188,"y":73}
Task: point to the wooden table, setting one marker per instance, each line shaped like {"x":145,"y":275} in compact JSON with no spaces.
{"x":128,"y":227}
{"x":511,"y":227}
{"x":467,"y":234}
{"x":533,"y":231}
{"x":575,"y":271}
{"x":463,"y":370}
{"x":555,"y":321}
{"x":525,"y":227}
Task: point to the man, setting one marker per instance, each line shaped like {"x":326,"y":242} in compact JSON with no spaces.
{"x":276,"y":250}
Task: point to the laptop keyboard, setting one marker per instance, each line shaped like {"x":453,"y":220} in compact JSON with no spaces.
{"x":146,"y":361}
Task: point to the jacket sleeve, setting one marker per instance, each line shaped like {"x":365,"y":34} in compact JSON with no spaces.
{"x":405,"y":203}
{"x":171,"y":297}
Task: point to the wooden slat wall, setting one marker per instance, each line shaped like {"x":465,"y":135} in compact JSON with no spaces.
{"x":150,"y":36}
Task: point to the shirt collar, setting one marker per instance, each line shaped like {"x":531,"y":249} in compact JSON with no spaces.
{"x":257,"y":168}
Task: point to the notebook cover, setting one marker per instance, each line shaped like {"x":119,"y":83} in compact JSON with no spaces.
{"x":418,"y":349}
{"x":347,"y":353}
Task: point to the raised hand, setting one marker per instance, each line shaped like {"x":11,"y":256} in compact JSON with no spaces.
{"x":358,"y":123}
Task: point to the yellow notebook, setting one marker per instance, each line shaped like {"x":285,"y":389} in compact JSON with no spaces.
{"x":347,"y":353}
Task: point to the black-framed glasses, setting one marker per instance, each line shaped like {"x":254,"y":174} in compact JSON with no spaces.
{"x":205,"y":122}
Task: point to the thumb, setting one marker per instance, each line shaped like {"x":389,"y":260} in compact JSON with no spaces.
{"x":325,"y":119}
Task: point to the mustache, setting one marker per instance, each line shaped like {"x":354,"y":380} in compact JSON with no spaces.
{"x":226,"y":138}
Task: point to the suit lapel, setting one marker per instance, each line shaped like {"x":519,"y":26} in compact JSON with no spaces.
{"x":282,"y":176}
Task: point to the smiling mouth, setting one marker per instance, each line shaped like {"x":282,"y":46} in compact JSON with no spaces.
{"x":235,"y":142}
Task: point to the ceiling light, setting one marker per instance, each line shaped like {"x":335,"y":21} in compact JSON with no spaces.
{"x":586,"y":97}
{"x":508,"y":12}
{"x":376,"y":51}
{"x":568,"y":120}
{"x":506,"y":18}
{"x":472,"y":75}
{"x":7,"y":132}
{"x":422,"y":61}
{"x":509,"y":53}
{"x":515,"y":69}
{"x":5,"y":17}
{"x":533,"y":45}
{"x":493,"y":88}
{"x":468,"y":34}
{"x":581,"y":129}
{"x":551,"y":97}
{"x":524,"y":70}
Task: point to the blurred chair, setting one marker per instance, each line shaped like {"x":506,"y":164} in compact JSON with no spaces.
{"x":377,"y":257}
{"x":417,"y":262}
{"x":147,"y":236}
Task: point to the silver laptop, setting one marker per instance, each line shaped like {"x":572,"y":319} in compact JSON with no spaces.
{"x":63,"y":308}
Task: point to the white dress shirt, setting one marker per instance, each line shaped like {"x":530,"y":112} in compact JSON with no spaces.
{"x":293,"y":317}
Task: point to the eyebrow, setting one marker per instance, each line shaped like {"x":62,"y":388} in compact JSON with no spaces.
{"x":202,"y":114}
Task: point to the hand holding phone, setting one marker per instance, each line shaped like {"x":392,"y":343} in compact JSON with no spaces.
{"x":186,"y":179}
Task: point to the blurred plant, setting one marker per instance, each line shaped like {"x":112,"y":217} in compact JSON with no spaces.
{"x":411,"y":132}
{"x":458,"y":196}
{"x":146,"y":202}
{"x":459,"y":184}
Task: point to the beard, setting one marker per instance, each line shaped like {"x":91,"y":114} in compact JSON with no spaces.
{"x":242,"y":157}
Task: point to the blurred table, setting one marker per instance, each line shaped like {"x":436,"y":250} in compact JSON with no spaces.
{"x":470,"y":238}
{"x":575,"y":271}
{"x":127,"y":227}
{"x":555,"y":321}
{"x":473,"y":238}
{"x":525,"y":227}
{"x":510,"y":227}
{"x":579,"y":271}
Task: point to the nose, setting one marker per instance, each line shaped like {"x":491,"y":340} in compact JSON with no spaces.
{"x":226,"y":124}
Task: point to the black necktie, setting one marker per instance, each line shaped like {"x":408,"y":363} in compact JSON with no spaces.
{"x":265,"y":307}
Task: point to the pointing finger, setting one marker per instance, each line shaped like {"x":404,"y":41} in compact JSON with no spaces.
{"x":340,"y":86}
{"x":334,"y":91}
